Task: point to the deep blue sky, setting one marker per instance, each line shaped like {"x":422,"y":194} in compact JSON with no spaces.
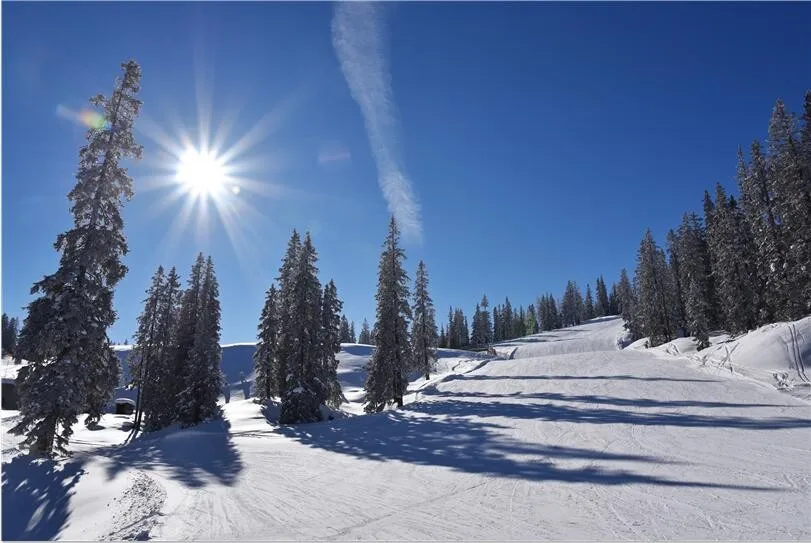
{"x":541,"y":140}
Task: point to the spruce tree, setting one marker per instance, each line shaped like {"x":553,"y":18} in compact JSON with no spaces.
{"x":588,"y":304}
{"x":145,"y":351}
{"x":9,"y":335}
{"x":532,"y":320}
{"x":628,"y":305}
{"x":73,"y":366}
{"x":158,"y":405}
{"x":203,"y":382}
{"x":303,"y":395}
{"x":732,"y":258}
{"x":387,"y":377}
{"x":423,"y":330}
{"x":345,"y":335}
{"x":326,"y":379}
{"x":477,"y":335}
{"x":266,"y":356}
{"x":679,"y":289}
{"x":286,"y":307}
{"x":655,"y":288}
{"x":352,"y":336}
{"x":365,"y":337}
{"x":603,"y":305}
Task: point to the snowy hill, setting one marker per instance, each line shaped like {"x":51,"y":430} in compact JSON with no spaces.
{"x":775,"y":355}
{"x":571,"y":439}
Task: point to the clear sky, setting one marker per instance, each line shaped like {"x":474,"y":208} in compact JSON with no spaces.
{"x":539,"y":140}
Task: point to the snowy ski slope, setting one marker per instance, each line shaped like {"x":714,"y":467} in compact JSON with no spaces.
{"x":571,"y":439}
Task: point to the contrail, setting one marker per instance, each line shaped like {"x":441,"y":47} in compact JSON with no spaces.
{"x":358,"y":32}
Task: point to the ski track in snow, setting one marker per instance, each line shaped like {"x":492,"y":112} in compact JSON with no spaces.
{"x":570,"y":439}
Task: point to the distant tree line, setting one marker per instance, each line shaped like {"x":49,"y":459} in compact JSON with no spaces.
{"x":8,"y":337}
{"x":747,"y":261}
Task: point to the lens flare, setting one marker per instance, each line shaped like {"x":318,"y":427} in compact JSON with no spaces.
{"x":85,"y":117}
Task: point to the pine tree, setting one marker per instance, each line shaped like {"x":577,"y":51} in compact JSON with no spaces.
{"x":387,"y":378}
{"x":443,"y":340}
{"x":572,"y":307}
{"x":365,"y":337}
{"x":518,"y":323}
{"x":266,"y":356}
{"x":423,"y":331}
{"x":145,"y":352}
{"x":486,"y":323}
{"x":588,"y":304}
{"x":532,"y":320}
{"x":760,"y":211}
{"x":507,"y":319}
{"x":345,"y":335}
{"x":73,"y":366}
{"x":731,"y":253}
{"x":655,"y":288}
{"x":203,"y":382}
{"x":679,"y":289}
{"x":603,"y":305}
{"x":159,"y":382}
{"x":184,"y":334}
{"x":9,"y":335}
{"x":628,"y":305}
{"x":326,"y":379}
{"x":696,"y":279}
{"x":286,"y":339}
{"x":477,"y":333}
{"x":352,"y":336}
{"x":303,"y":396}
{"x":614,"y":301}
{"x":792,"y":196}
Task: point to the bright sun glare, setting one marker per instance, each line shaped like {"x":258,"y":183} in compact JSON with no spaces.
{"x":202,"y":173}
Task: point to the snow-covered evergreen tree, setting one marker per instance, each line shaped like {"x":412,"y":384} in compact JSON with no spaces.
{"x":627,"y":304}
{"x":588,"y":304}
{"x":303,"y":396}
{"x":352,"y":336}
{"x":73,"y":367}
{"x":792,"y":196}
{"x":696,"y":279}
{"x":679,"y":294}
{"x":345,"y":335}
{"x":732,"y":259}
{"x":286,"y":307}
{"x":145,"y":351}
{"x":327,"y":385}
{"x":365,"y":337}
{"x":158,"y":383}
{"x":655,"y":292}
{"x":266,"y":357}
{"x":9,"y":335}
{"x":202,"y":384}
{"x":603,"y":306}
{"x":387,"y":377}
{"x":532,"y":320}
{"x":423,"y":330}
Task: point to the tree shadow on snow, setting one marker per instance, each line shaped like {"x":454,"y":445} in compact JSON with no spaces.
{"x":193,"y":456}
{"x":598,"y":415}
{"x":470,"y":446}
{"x":592,"y":399}
{"x":36,"y":494}
{"x":573,"y":378}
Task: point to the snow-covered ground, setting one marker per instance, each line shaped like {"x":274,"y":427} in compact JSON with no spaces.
{"x":571,"y":439}
{"x":775,"y":355}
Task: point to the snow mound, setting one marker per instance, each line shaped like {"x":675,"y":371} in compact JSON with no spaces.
{"x":776,"y":355}
{"x":138,"y":509}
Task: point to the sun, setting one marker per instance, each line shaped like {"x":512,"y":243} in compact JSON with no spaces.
{"x":201,"y":173}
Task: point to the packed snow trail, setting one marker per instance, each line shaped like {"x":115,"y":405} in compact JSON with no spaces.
{"x":572,"y":439}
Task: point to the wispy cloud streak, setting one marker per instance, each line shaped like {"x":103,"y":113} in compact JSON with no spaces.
{"x":358,"y":37}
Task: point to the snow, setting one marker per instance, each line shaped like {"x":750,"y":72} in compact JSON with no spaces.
{"x":571,"y":439}
{"x":775,"y":355}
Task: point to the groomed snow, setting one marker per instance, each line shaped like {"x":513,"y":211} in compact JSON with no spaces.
{"x":571,"y":439}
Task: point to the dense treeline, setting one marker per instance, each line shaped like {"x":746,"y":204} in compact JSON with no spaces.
{"x":748,"y":262}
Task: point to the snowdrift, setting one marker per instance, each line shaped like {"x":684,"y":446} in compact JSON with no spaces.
{"x":775,"y":355}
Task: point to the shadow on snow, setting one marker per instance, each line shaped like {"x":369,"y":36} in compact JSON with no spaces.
{"x":191,"y":456}
{"x":36,"y":494}
{"x":441,"y":434}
